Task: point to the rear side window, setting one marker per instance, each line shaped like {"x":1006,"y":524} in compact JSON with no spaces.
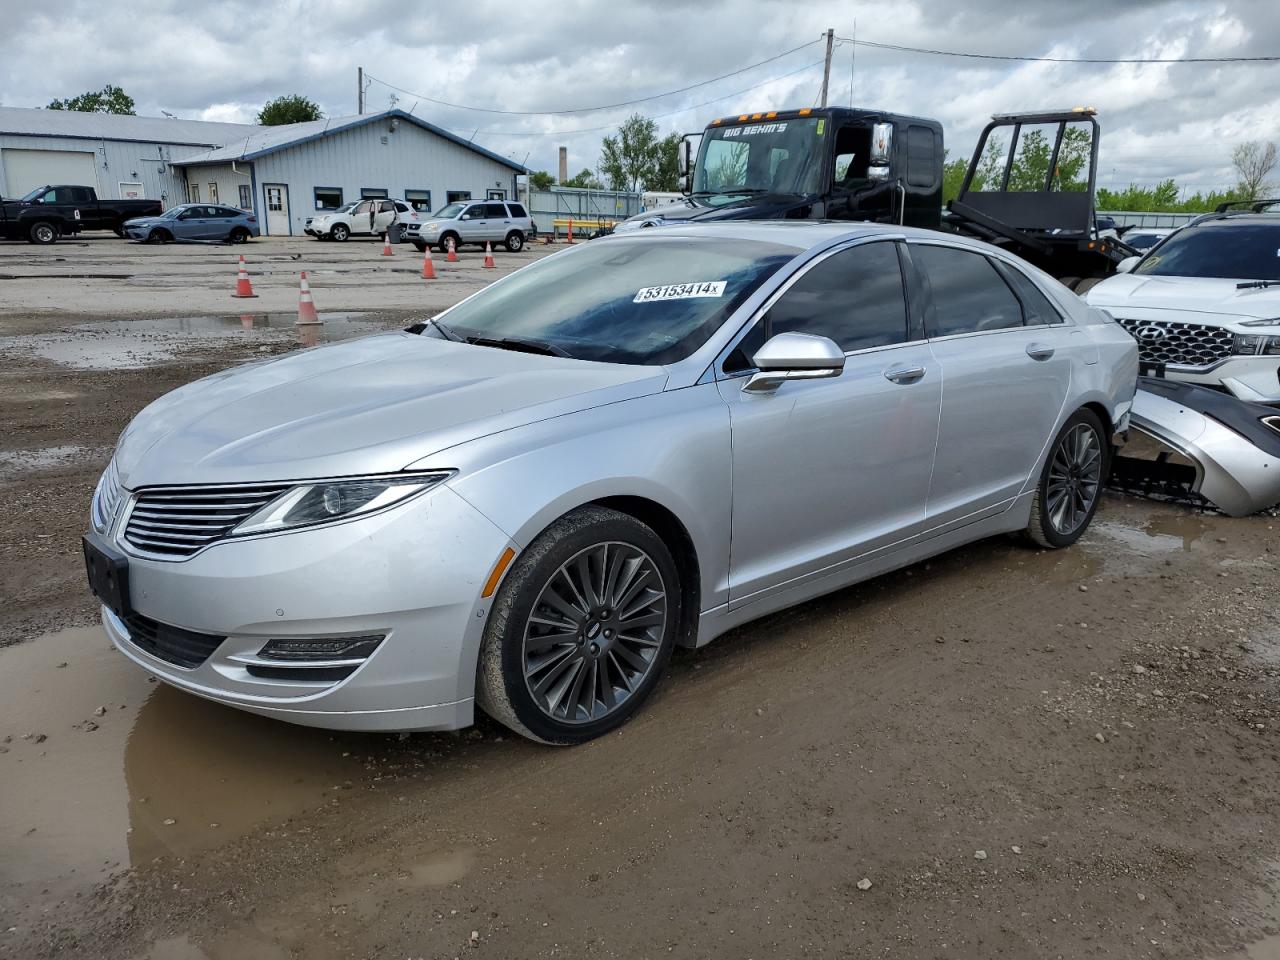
{"x":1036,"y":307}
{"x":516,"y":210}
{"x":495,"y":211}
{"x":921,"y":155}
{"x":968,"y":295}
{"x":854,"y":297}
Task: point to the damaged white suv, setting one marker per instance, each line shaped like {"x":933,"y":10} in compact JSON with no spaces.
{"x":1204,"y":305}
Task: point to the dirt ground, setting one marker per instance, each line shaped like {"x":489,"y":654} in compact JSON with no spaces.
{"x":1003,"y":752}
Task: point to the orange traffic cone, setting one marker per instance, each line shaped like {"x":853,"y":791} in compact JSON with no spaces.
{"x":306,"y":306}
{"x":488,"y":256}
{"x":243,"y":287}
{"x":428,"y":268}
{"x":386,"y":245}
{"x":570,"y":239}
{"x":452,"y":256}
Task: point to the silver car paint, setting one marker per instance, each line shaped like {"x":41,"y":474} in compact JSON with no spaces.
{"x":532,"y":437}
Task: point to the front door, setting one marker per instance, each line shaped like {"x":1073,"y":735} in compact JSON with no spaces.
{"x":825,"y":471}
{"x":277,"y":203}
{"x":1006,"y":360}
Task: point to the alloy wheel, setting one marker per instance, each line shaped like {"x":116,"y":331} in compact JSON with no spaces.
{"x":594,"y":633}
{"x":1075,"y":476}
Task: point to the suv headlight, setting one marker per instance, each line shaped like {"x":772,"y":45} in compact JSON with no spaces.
{"x":1254,"y":344}
{"x":328,"y":501}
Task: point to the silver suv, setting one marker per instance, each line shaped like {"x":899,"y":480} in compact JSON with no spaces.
{"x":476,"y":221}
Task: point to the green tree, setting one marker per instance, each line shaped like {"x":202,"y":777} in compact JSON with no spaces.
{"x":1030,"y":169}
{"x":667,"y":175}
{"x":293,"y":108}
{"x":541,"y":180}
{"x":631,"y":160}
{"x":584,"y":180}
{"x":110,"y":99}
{"x":985,"y":177}
{"x":953,"y":172}
{"x":1254,"y":161}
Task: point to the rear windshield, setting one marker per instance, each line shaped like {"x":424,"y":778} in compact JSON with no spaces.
{"x":1235,"y":251}
{"x":644,"y":300}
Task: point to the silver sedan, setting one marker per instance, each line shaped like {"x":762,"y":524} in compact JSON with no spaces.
{"x":527,"y":501}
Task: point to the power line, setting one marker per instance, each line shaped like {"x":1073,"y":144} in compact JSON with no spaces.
{"x":658,"y":116}
{"x":993,"y":56}
{"x":607,"y":106}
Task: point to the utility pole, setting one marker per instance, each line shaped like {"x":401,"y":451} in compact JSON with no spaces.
{"x":359,"y":89}
{"x":826,"y":67}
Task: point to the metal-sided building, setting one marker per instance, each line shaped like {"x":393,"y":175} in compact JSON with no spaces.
{"x":284,"y":173}
{"x":292,"y":171}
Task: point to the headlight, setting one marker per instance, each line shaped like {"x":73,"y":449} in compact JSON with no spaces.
{"x":328,"y":501}
{"x":430,"y":228}
{"x":1274,"y":322}
{"x":1253,"y":344}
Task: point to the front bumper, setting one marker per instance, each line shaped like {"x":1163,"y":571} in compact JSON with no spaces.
{"x":413,"y":574}
{"x":1244,"y":377}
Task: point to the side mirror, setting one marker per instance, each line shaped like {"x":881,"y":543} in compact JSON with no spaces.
{"x":684,"y":162}
{"x":794,"y":356}
{"x":881,"y":144}
{"x":1127,"y":264}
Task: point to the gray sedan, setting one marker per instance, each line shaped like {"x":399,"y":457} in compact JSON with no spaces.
{"x":208,"y":222}
{"x":526,"y":502}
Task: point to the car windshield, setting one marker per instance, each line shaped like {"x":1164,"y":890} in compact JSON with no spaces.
{"x":449,"y":212}
{"x":38,"y":191}
{"x":784,"y":156}
{"x":347,"y":207}
{"x":1230,"y":250}
{"x":173,"y":212}
{"x":643,"y":300}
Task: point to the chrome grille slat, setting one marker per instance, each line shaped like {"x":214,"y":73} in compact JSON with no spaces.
{"x":1187,"y":344}
{"x":175,"y":522}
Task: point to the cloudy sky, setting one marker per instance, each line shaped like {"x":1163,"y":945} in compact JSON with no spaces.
{"x":221,"y":61}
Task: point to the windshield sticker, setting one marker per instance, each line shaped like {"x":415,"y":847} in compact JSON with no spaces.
{"x":754,"y":129}
{"x":680,"y":291}
{"x":821,"y":123}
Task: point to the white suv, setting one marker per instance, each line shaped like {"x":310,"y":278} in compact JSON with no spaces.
{"x":475,"y":221}
{"x":362,"y":218}
{"x":1204,"y":304}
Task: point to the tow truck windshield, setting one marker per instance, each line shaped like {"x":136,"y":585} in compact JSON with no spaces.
{"x":775,"y":157}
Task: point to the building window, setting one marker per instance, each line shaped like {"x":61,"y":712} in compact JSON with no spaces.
{"x":420,"y":200}
{"x":495,"y":195}
{"x":193,"y":193}
{"x":373,"y":193}
{"x":328,"y":198}
{"x":246,"y":197}
{"x":457,"y":196}
{"x":213,"y":192}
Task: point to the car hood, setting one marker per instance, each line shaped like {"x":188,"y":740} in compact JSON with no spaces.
{"x":1192,"y":294}
{"x":763,"y":207}
{"x":142,"y":221}
{"x":373,"y":405}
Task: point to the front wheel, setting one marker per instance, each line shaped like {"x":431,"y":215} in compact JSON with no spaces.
{"x":515,"y":241}
{"x":1070,"y":485}
{"x":581,"y":628}
{"x":158,"y":236}
{"x":43,"y":233}
{"x":444,"y":242}
{"x":340,"y":232}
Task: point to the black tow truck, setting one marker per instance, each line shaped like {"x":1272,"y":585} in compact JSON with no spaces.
{"x":48,"y":213}
{"x":1029,"y":186}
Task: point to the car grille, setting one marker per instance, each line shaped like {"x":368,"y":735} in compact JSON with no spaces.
{"x":178,"y":521}
{"x":1191,"y":344}
{"x":185,"y":648}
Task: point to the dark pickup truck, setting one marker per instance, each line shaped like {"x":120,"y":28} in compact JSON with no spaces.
{"x":50,"y":212}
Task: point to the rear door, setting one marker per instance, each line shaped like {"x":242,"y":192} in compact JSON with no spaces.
{"x":498,"y":220}
{"x":385,"y":214}
{"x":1006,"y":369}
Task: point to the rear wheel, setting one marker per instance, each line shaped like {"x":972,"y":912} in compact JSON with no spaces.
{"x":581,"y":628}
{"x":340,"y":232}
{"x":1070,"y":486}
{"x":239,"y":235}
{"x":43,"y":232}
{"x":515,"y":241}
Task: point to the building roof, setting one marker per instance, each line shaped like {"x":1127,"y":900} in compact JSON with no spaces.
{"x":260,"y":141}
{"x":111,"y":126}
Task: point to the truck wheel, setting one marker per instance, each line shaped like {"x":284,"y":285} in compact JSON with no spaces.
{"x":340,"y":232}
{"x":43,"y":232}
{"x":515,"y":241}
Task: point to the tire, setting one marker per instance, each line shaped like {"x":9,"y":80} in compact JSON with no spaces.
{"x":43,"y":233}
{"x":1069,"y":282}
{"x":158,"y":236}
{"x":118,"y":231}
{"x":514,"y":242}
{"x":238,"y":235}
{"x":1087,"y":284}
{"x":1063,"y":507}
{"x":340,"y":232}
{"x":419,"y":245}
{"x":540,"y":692}
{"x":444,"y":242}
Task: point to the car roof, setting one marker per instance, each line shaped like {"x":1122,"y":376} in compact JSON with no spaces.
{"x":800,"y":233}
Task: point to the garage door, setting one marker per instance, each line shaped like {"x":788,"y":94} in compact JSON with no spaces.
{"x":27,"y":169}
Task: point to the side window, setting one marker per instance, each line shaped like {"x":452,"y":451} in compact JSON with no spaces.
{"x":921,"y":155}
{"x":82,"y":194}
{"x":386,"y":207}
{"x":495,"y":211}
{"x":854,"y":297}
{"x":1036,"y":307}
{"x":361,"y":210}
{"x":968,"y":294}
{"x":516,"y":210}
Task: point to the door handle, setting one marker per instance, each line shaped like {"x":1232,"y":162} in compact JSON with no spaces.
{"x":1039,"y":351}
{"x":902,"y":373}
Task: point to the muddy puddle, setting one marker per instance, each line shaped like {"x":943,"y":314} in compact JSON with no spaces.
{"x":130,"y":344}
{"x":14,"y":463}
{"x":103,"y":769}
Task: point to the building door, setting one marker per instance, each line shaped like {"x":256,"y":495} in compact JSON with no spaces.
{"x":193,"y":192}
{"x":246,"y":197}
{"x":131,"y":191}
{"x":213,"y":192}
{"x":24,"y":170}
{"x":496,"y":195}
{"x":277,"y":196}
